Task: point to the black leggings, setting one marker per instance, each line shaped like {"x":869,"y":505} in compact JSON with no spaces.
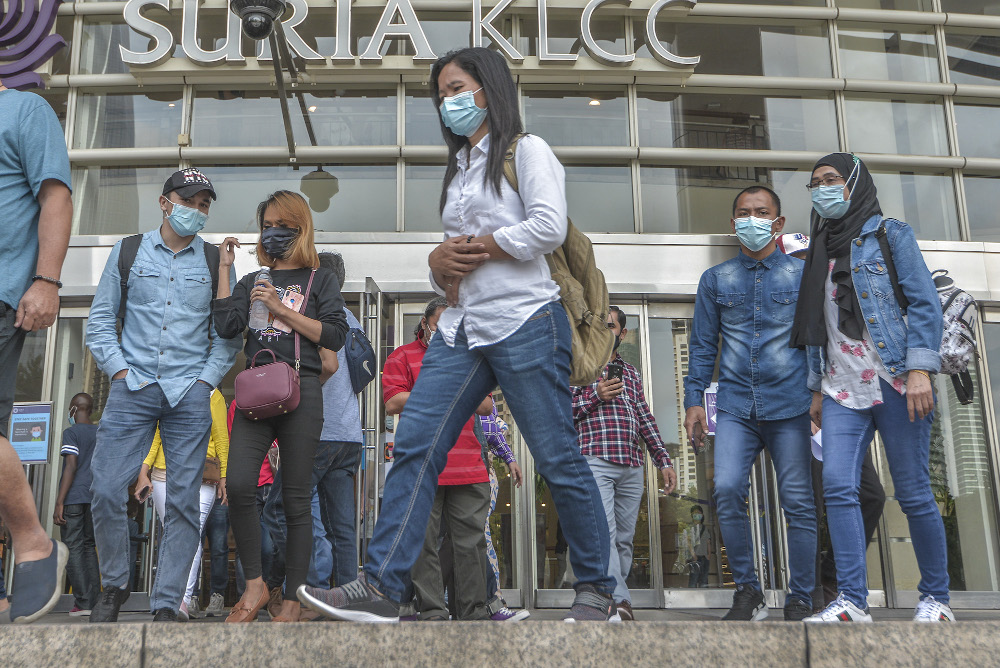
{"x":298,"y":435}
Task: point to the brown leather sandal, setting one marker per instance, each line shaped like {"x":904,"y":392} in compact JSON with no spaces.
{"x":241,"y":613}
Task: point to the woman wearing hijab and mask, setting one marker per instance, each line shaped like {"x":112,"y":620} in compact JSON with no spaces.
{"x":870,"y":370}
{"x":286,"y":246}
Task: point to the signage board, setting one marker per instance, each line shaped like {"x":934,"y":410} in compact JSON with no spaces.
{"x":29,"y":431}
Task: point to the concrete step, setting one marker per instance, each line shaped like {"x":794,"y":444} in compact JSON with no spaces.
{"x":672,"y":644}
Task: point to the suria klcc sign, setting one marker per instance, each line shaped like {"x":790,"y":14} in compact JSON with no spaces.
{"x":398,"y":21}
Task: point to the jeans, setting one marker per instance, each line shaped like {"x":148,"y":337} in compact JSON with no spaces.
{"x":846,"y":436}
{"x":621,"y":492}
{"x":532,"y":368}
{"x":81,"y":569}
{"x":123,"y":439}
{"x":11,"y":343}
{"x":217,"y":532}
{"x":207,"y":500}
{"x":334,"y":470}
{"x":321,"y":552}
{"x":738,"y":441}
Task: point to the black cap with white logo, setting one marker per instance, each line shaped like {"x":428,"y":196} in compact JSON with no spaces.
{"x":188,"y":183}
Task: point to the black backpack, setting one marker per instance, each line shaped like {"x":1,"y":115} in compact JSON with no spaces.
{"x":126,"y":258}
{"x":361,"y":360}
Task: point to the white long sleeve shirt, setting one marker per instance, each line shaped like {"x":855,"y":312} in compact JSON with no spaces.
{"x":498,"y":297}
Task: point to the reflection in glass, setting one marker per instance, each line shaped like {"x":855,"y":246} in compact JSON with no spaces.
{"x":99,"y":52}
{"x":118,"y":200}
{"x":887,"y":54}
{"x":724,"y":120}
{"x":31,"y":367}
{"x":125,"y":121}
{"x":423,"y":123}
{"x":902,"y":5}
{"x":879,"y":125}
{"x":969,"y":6}
{"x":564,"y":35}
{"x":571,"y":118}
{"x":981,"y":203}
{"x":600,"y":198}
{"x":60,"y":61}
{"x":925,"y":201}
{"x":975,"y":125}
{"x":973,"y":58}
{"x":796,"y":50}
{"x":423,"y":195}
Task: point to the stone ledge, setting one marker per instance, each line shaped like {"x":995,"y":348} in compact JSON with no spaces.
{"x":891,"y":644}
{"x":100,"y":645}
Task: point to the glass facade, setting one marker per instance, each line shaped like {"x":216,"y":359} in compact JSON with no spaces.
{"x":653,"y":156}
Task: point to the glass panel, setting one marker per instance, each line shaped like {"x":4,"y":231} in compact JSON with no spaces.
{"x":925,"y":201}
{"x":423,"y":123}
{"x":58,"y":99}
{"x":423,"y":195}
{"x":30,"y":368}
{"x":963,"y":485}
{"x":564,"y":34}
{"x":699,"y":200}
{"x":890,"y":54}
{"x":99,"y":52}
{"x":572,"y":118}
{"x":786,"y":3}
{"x":600,"y":198}
{"x":125,"y":121}
{"x":904,"y":5}
{"x":980,"y":201}
{"x":731,"y":121}
{"x":904,"y":126}
{"x":117,"y":200}
{"x":792,"y":50}
{"x":975,"y":125}
{"x":973,"y":58}
{"x":987,"y":7}
{"x":60,"y":61}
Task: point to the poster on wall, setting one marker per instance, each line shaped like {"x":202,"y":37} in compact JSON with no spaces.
{"x":711,"y":392}
{"x":30,"y":424}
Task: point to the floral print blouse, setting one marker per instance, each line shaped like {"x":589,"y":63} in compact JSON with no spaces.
{"x":853,"y":368}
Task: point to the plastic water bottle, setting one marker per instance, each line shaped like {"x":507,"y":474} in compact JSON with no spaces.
{"x":258,"y":311}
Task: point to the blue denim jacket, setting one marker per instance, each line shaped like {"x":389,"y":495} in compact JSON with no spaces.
{"x":168,"y":336}
{"x":752,"y":305}
{"x":903,"y":343}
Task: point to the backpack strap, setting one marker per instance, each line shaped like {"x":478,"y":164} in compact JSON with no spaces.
{"x":890,"y":265}
{"x":964,"y":388}
{"x":127,"y":253}
{"x":212,"y":258}
{"x":509,"y":166}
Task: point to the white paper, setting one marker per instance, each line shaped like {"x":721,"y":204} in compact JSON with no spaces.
{"x":817,"y":445}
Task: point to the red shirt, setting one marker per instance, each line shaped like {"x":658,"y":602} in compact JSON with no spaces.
{"x":465,"y":460}
{"x":266,"y":476}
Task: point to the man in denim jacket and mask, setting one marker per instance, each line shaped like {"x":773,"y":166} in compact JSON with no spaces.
{"x":163,"y":371}
{"x":762,"y":401}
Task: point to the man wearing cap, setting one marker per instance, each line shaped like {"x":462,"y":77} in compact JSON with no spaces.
{"x":163,"y":371}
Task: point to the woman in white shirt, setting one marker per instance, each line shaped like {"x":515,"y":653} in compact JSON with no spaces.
{"x":504,"y":326}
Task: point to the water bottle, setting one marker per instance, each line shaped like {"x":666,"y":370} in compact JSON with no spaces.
{"x":258,"y":311}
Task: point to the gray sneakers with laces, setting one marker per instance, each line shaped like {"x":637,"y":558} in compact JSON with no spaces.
{"x":591,"y":606}
{"x":216,"y":606}
{"x":356,"y":601}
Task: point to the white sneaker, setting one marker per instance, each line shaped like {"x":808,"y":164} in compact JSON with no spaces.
{"x":841,"y":610}
{"x":194,"y":609}
{"x":930,"y":610}
{"x":216,"y":606}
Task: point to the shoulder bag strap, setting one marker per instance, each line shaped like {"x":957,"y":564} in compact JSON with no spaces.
{"x":305,"y":301}
{"x":890,"y":265}
{"x":127,"y":253}
{"x":509,"y":166}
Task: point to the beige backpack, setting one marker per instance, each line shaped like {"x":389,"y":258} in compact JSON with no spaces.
{"x":583,"y":292}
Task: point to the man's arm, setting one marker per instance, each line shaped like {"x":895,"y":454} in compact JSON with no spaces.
{"x":223,"y":351}
{"x":648,"y":428}
{"x":39,"y":306}
{"x":102,"y":339}
{"x":703,"y":344}
{"x":330,"y":364}
{"x":68,"y":474}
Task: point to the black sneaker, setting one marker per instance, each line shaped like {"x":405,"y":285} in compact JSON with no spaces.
{"x":107,"y":608}
{"x":591,"y":606}
{"x":165,"y":615}
{"x":748,"y":605}
{"x":796,"y":609}
{"x":356,"y":601}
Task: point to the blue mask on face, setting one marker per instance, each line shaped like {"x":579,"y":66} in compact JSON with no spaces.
{"x":186,"y":221}
{"x":70,"y":417}
{"x":829,"y":202}
{"x":460,"y":113}
{"x":754,"y":232}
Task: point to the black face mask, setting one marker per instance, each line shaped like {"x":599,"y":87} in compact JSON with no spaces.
{"x":277,"y":241}
{"x":618,"y":342}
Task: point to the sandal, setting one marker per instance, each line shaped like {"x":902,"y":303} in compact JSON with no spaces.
{"x":241,"y":613}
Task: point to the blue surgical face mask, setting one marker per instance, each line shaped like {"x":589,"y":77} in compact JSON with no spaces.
{"x":829,"y":202}
{"x":754,"y":232}
{"x":461,"y":114}
{"x":697,"y":517}
{"x":186,"y":221}
{"x":70,"y":417}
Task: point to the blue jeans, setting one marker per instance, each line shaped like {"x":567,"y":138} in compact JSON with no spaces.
{"x":532,"y":368}
{"x":217,"y":532}
{"x":738,"y":441}
{"x":334,"y":470}
{"x":846,"y":436}
{"x":621,"y":492}
{"x":273,"y":519}
{"x":123,"y":440}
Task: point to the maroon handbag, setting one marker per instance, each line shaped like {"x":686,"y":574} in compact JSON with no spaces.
{"x":270,"y":389}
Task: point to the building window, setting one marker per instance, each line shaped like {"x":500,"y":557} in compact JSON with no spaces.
{"x":106,"y":120}
{"x":987,"y":7}
{"x":901,"y":5}
{"x":597,"y":117}
{"x":906,"y":126}
{"x":423,"y":123}
{"x":421,"y":212}
{"x":600,"y":198}
{"x":925,"y":201}
{"x":887,"y":53}
{"x":973,"y":57}
{"x":99,"y":52}
{"x":119,"y":199}
{"x":670,"y":118}
{"x":975,"y":124}
{"x":564,"y":34}
{"x":980,"y":202}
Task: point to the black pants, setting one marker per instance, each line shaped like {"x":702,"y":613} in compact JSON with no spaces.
{"x":11,"y":342}
{"x":298,"y":435}
{"x":82,"y":569}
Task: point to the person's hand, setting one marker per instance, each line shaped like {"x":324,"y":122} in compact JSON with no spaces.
{"x":919,"y":395}
{"x":455,"y":257}
{"x":141,"y":483}
{"x":38,"y":307}
{"x":609,"y":388}
{"x":121,"y":374}
{"x":669,"y":480}
{"x":692,"y":418}
{"x":813,"y":427}
{"x":816,"y":411}
{"x":57,"y":515}
{"x":265,"y":292}
{"x":227,"y":251}
{"x":220,"y":492}
{"x":515,"y":473}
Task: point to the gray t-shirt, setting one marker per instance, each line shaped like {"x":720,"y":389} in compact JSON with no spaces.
{"x":341,"y":416}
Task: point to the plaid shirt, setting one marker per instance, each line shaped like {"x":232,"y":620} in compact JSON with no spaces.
{"x":495,"y":440}
{"x":610,"y":430}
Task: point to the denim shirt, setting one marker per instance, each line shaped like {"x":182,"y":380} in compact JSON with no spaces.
{"x":751,"y":304}
{"x":168,"y":337}
{"x":902,"y":343}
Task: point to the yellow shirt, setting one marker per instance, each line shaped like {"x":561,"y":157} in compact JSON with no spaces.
{"x":218,"y":440}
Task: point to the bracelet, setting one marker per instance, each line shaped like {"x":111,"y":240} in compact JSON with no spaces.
{"x":921,"y":371}
{"x":48,"y":279}
{"x":469,"y":239}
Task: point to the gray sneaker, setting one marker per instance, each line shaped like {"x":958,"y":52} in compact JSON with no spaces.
{"x":194,"y":608}
{"x":356,"y":601}
{"x":216,"y":606}
{"x":37,"y":586}
{"x":591,"y":606}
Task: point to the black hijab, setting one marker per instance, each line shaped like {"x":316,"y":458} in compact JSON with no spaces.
{"x":831,"y":239}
